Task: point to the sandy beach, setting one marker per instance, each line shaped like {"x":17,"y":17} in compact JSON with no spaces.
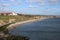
{"x":19,"y":23}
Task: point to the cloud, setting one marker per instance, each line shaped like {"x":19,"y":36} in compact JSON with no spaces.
{"x":0,"y":8}
{"x":30,"y":10}
{"x":5,"y":9}
{"x":48,"y":9}
{"x":34,"y":0}
{"x":17,"y":2}
{"x":4,"y":4}
{"x":11,"y":0}
{"x":40,"y":2}
{"x":32,"y":6}
{"x":53,"y":1}
{"x":51,"y":10}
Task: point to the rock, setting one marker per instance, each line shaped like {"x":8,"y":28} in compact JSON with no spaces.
{"x":2,"y":22}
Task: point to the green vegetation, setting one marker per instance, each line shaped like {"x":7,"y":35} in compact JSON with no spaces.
{"x":17,"y":38}
{"x":18,"y":18}
{"x":12,"y":37}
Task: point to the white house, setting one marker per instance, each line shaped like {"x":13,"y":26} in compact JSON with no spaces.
{"x":8,"y":13}
{"x":13,"y":13}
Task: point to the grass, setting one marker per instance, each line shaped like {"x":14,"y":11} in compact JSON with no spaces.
{"x":18,"y":18}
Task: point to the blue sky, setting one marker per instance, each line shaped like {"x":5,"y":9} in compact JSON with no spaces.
{"x":35,"y":7}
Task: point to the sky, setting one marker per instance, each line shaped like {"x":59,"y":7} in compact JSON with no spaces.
{"x":34,"y":7}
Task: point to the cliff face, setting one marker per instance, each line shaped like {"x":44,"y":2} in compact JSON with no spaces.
{"x":2,"y":22}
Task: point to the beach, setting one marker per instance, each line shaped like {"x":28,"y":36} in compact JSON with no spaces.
{"x":14,"y":25}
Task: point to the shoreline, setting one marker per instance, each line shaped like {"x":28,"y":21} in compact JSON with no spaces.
{"x":22,"y":22}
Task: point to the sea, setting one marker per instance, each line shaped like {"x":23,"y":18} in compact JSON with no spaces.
{"x":46,"y":29}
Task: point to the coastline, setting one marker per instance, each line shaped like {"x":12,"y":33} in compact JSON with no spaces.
{"x":23,"y":22}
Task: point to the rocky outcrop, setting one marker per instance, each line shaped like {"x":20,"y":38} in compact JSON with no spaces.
{"x":2,"y":22}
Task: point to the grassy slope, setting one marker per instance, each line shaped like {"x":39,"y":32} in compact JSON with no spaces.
{"x":18,"y":18}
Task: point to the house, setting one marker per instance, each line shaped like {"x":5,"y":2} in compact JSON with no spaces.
{"x":13,"y":13}
{"x":8,"y":13}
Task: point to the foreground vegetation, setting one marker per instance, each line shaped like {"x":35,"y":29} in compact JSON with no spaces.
{"x":4,"y":34}
{"x":12,"y":37}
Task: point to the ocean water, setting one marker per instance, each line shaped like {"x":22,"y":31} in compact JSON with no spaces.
{"x":47,"y":29}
